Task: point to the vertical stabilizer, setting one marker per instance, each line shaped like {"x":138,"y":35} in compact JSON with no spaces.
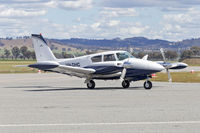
{"x":42,"y":51}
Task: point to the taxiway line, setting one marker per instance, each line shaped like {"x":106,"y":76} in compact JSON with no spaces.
{"x":99,"y":124}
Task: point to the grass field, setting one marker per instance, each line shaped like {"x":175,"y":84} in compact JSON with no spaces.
{"x":192,"y":61}
{"x":8,"y":66}
{"x":186,"y":77}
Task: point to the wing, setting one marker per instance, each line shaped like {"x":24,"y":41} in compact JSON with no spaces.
{"x":80,"y":70}
{"x":69,"y":70}
{"x":178,"y":65}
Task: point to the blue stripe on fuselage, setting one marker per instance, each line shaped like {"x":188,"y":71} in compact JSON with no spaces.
{"x":105,"y":69}
{"x":131,"y":72}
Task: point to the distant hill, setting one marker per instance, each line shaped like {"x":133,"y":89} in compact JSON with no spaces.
{"x":139,"y":42}
{"x":136,"y":42}
{"x":188,"y":43}
{"x":79,"y":44}
{"x":56,"y":47}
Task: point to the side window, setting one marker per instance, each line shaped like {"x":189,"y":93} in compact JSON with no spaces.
{"x":96,"y":58}
{"x":109,"y":57}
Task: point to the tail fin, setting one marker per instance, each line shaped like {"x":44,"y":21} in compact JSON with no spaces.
{"x":42,"y":51}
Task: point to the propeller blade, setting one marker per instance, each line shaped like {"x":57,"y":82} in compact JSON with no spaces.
{"x":123,"y":74}
{"x":169,"y":75}
{"x":167,"y":66}
{"x":163,"y":54}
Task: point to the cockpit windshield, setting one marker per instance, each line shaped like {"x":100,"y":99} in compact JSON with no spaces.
{"x":123,"y":55}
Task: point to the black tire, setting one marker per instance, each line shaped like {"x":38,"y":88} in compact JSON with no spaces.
{"x":147,"y":85}
{"x":125,"y":84}
{"x":91,"y":84}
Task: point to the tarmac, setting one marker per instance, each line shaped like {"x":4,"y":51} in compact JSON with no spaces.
{"x":56,"y":103}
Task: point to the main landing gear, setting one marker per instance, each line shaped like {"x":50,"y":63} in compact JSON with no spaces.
{"x":91,"y":84}
{"x":147,"y":84}
{"x":125,"y":84}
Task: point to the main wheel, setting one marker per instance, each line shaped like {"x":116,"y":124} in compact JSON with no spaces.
{"x":147,"y":85}
{"x":91,"y":84}
{"x":125,"y":84}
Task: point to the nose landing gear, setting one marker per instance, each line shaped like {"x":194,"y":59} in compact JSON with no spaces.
{"x":147,"y":85}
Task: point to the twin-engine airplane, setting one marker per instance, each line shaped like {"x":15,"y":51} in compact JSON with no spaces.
{"x":103,"y":66}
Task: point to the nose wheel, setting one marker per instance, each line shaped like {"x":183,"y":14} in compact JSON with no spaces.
{"x":91,"y":84}
{"x":125,"y":84}
{"x":147,"y":85}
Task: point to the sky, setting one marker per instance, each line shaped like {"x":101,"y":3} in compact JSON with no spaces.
{"x":172,"y":20}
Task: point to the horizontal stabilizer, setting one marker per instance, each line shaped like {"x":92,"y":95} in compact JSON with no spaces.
{"x":44,"y":65}
{"x":21,"y":66}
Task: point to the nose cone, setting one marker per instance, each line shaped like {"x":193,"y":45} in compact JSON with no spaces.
{"x":179,"y":65}
{"x":156,"y":67}
{"x":184,"y":65}
{"x":144,"y":65}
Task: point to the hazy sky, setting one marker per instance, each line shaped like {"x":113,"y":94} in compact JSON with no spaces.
{"x":162,"y":19}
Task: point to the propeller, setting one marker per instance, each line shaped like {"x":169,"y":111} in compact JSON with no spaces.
{"x":166,"y":66}
{"x":125,"y":66}
{"x":123,"y":74}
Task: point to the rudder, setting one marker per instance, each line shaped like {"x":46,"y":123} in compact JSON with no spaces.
{"x":42,"y":51}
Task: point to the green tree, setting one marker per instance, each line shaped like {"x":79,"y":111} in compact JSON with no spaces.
{"x":155,"y":55}
{"x":195,"y":50}
{"x":23,"y":51}
{"x":186,"y":54}
{"x":140,"y":54}
{"x":33,"y":55}
{"x":171,"y":55}
{"x":15,"y":52}
{"x":7,"y":53}
{"x":63,"y":54}
{"x":28,"y":54}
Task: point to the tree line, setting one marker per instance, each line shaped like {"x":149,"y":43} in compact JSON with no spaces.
{"x":170,"y":54}
{"x":156,"y":55}
{"x":192,"y":52}
{"x":18,"y":53}
{"x":24,"y":53}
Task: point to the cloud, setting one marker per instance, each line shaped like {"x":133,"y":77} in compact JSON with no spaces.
{"x":134,"y":30}
{"x":111,"y":29}
{"x":118,"y":12}
{"x":113,"y":22}
{"x":11,"y":12}
{"x":185,"y":19}
{"x":21,"y":27}
{"x":43,"y":4}
{"x":23,"y":17}
{"x":96,"y":26}
{"x":74,"y":4}
{"x":181,"y":25}
{"x":166,"y":5}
